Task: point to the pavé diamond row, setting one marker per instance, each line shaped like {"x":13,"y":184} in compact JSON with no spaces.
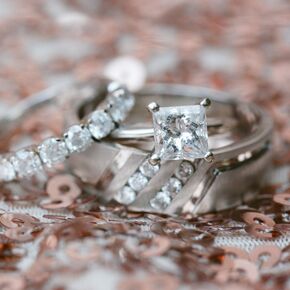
{"x":173,"y":186}
{"x":128,"y":193}
{"x":139,"y":180}
{"x":100,"y":123}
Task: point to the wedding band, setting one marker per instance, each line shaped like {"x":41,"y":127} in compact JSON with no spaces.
{"x":119,"y":168}
{"x":114,"y":103}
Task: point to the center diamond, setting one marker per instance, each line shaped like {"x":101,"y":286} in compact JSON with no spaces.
{"x":180,"y":132}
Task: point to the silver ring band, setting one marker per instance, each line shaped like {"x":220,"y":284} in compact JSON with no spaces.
{"x":239,"y":164}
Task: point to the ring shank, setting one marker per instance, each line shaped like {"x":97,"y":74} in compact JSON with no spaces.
{"x":241,"y":156}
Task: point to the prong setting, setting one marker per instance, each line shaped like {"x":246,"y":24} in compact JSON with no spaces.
{"x":154,"y":159}
{"x":153,"y":107}
{"x":205,"y":102}
{"x":209,"y":157}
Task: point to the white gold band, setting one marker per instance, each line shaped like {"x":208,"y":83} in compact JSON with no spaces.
{"x":241,"y":158}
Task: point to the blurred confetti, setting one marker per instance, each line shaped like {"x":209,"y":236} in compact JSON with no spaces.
{"x":53,"y":233}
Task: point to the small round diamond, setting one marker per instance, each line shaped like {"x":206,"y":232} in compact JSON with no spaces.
{"x":149,"y":170}
{"x":126,"y":195}
{"x":121,"y":103}
{"x":100,"y":124}
{"x":7,"y":172}
{"x":52,"y":151}
{"x":161,"y":200}
{"x":172,"y":186}
{"x":77,"y":138}
{"x":137,"y":181}
{"x":184,"y":171}
{"x":26,"y":162}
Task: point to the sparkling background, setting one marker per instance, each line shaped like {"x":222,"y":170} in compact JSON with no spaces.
{"x":241,"y":47}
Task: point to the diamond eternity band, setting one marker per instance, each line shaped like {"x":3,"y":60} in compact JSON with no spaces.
{"x":77,"y":138}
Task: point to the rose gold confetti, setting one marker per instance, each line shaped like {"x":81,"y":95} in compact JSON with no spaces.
{"x":61,"y":186}
{"x":236,"y":253}
{"x":257,"y":218}
{"x":177,"y":41}
{"x":282,"y":198}
{"x":11,"y":282}
{"x":13,"y":221}
{"x":266,"y":256}
{"x":159,"y":246}
{"x":262,"y":231}
{"x":155,"y":282}
{"x":242,"y":270}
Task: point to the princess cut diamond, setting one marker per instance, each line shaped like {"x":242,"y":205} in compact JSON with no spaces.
{"x":180,"y":132}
